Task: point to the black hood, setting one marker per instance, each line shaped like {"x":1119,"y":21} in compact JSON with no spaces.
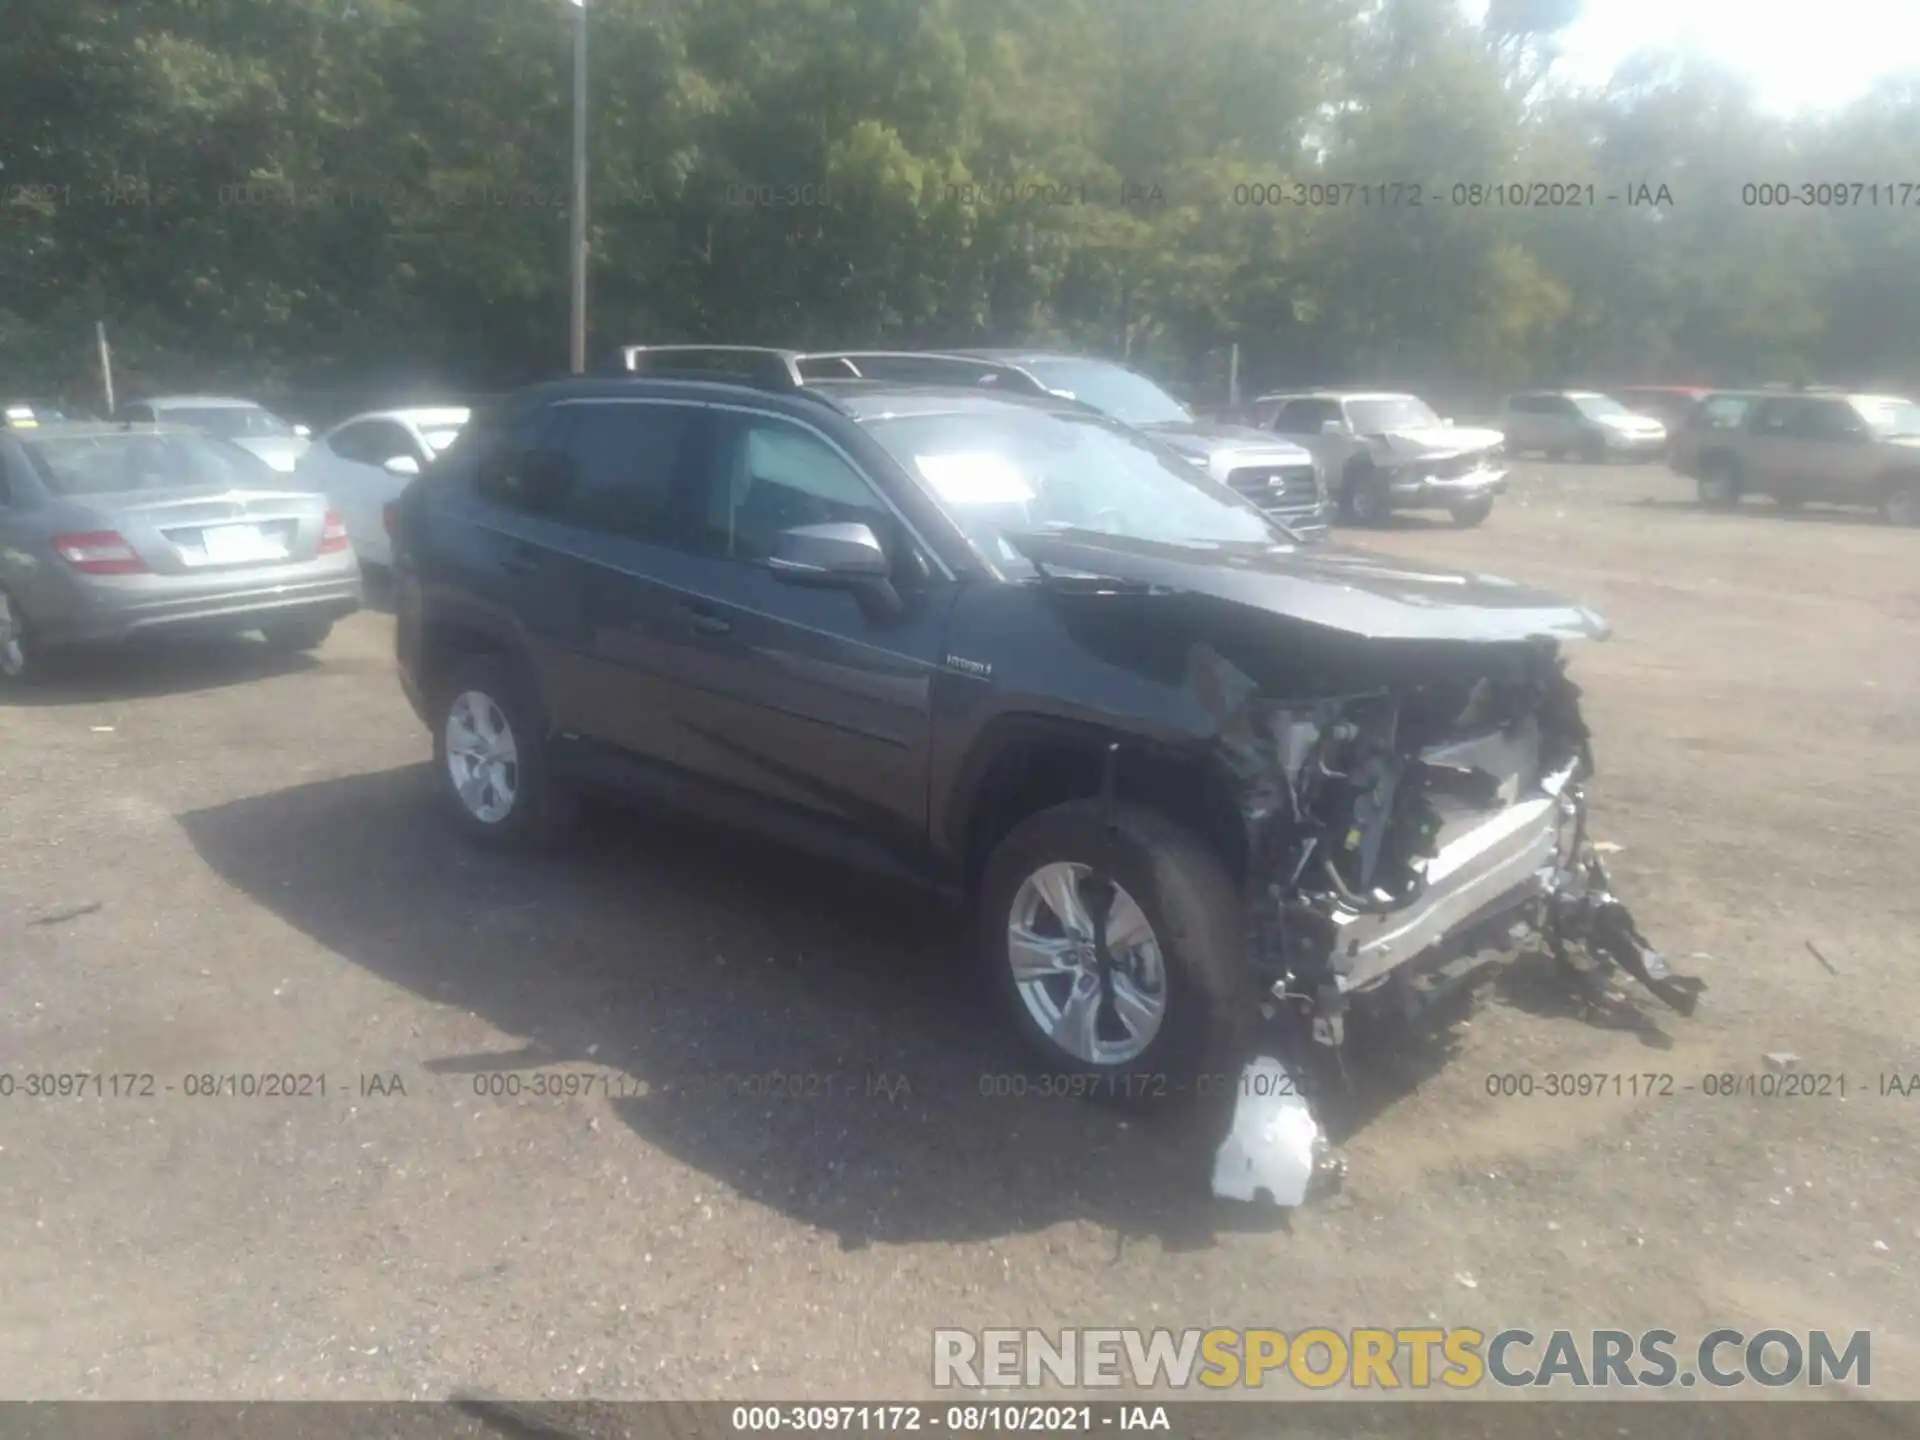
{"x":1328,"y":585}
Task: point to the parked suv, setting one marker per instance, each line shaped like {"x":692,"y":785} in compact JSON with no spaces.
{"x":1182,"y":766}
{"x":1796,"y":446}
{"x":1278,"y":475}
{"x":1385,"y":451}
{"x":1581,"y":424}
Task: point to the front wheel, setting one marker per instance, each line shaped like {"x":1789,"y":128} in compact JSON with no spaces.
{"x":1720,"y":483}
{"x":1469,"y":513}
{"x":1116,"y":949}
{"x":1365,"y":500}
{"x":1900,"y":502}
{"x":489,"y":753}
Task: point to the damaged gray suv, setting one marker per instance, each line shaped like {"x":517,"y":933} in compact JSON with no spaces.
{"x":1204,"y":787}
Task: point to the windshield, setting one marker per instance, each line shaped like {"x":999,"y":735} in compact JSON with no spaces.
{"x":1889,"y":414}
{"x":1599,"y":407}
{"x":229,"y":422}
{"x":1020,"y":470}
{"x":131,"y":460}
{"x":1379,"y":414}
{"x":1112,"y":390}
{"x":438,"y":440}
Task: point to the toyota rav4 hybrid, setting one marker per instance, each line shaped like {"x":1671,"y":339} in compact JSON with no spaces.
{"x":1384,"y":452}
{"x":1204,"y":787}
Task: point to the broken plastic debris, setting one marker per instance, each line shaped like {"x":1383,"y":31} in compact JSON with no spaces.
{"x":1782,"y":1060}
{"x":1274,"y":1142}
{"x":1467,"y":1280}
{"x":102,"y":729}
{"x":1879,"y":1244}
{"x":1607,"y":847}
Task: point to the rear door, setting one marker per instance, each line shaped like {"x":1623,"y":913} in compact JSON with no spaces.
{"x":814,"y":698}
{"x":1773,"y":459}
{"x":580,"y":523}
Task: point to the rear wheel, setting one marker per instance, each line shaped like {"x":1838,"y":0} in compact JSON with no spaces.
{"x":1116,"y":950}
{"x":295,"y":635}
{"x":1593,"y":450}
{"x":1900,"y":501}
{"x":19,"y":661}
{"x":1719,"y":482}
{"x":489,"y":755}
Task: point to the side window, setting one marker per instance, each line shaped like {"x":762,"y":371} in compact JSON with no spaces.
{"x":622,"y":460}
{"x":1826,"y":420}
{"x":1304,"y":417}
{"x":1523,"y":405}
{"x":1771,"y":417}
{"x":386,"y":440}
{"x":515,"y":462}
{"x":772,"y":475}
{"x":138,"y":414}
{"x":1723,"y":412}
{"x":352,"y":442}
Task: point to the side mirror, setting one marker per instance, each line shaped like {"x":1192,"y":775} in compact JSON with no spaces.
{"x":303,"y":432}
{"x":402,"y":465}
{"x":844,"y":555}
{"x":1446,"y":420}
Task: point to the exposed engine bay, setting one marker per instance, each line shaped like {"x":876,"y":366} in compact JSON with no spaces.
{"x":1404,"y":834}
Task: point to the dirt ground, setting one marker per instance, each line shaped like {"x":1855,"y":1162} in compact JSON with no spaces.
{"x":271,"y":892}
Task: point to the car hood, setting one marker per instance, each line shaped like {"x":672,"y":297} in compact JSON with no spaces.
{"x":1206,"y":438}
{"x":1431,"y":440}
{"x":279,"y":451}
{"x":1332,"y":586}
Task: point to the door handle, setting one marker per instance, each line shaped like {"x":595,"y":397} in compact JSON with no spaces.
{"x":703,"y":620}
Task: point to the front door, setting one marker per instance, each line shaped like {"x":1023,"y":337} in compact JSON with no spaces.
{"x":816,"y":698}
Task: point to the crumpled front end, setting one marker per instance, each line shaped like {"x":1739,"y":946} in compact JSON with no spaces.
{"x":1399,"y":836}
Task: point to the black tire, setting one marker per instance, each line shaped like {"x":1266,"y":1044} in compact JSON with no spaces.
{"x":1593,"y":450}
{"x":1211,"y":995}
{"x":20,"y":662}
{"x":1364,"y":498}
{"x":542,"y":813}
{"x":291,"y":636}
{"x":1720,"y":482}
{"x":1469,"y":513}
{"x":1900,"y":500}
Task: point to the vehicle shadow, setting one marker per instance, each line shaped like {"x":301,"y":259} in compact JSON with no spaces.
{"x":811,"y":1037}
{"x":152,"y":670}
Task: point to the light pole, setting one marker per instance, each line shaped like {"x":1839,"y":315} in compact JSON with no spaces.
{"x":577,"y":241}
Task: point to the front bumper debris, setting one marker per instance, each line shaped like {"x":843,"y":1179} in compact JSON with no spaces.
{"x":1412,"y":486}
{"x":1409,"y":840}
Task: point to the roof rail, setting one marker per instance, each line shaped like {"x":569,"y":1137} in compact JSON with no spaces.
{"x":927,"y":367}
{"x":759,"y":365}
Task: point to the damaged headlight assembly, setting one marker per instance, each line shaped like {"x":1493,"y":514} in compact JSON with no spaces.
{"x":1399,"y":839}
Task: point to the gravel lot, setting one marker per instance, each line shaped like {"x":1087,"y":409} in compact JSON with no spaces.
{"x":272,"y":893}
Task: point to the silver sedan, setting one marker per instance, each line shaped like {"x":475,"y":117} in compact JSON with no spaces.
{"x":108,"y":532}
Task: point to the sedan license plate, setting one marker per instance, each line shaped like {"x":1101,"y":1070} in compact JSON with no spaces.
{"x":236,"y":544}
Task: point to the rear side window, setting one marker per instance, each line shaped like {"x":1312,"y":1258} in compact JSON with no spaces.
{"x":1305,"y":417}
{"x":622,"y":462}
{"x":1724,"y":412}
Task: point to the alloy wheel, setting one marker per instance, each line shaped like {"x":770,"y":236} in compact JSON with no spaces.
{"x":1087,"y":964}
{"x":483,"y":761}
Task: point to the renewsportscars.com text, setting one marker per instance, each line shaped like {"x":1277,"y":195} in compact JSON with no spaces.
{"x":1415,"y":1358}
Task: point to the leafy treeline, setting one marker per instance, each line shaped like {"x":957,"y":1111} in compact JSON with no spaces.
{"x":342,"y":195}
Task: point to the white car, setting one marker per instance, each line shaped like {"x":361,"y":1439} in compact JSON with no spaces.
{"x":246,"y":423}
{"x":362,"y":463}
